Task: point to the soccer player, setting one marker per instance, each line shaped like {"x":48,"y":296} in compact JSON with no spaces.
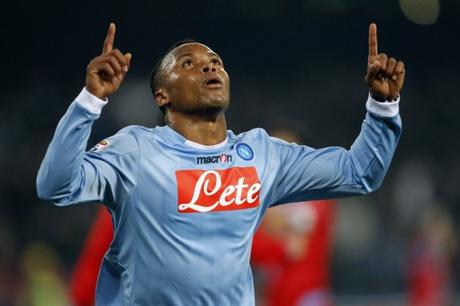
{"x":186,"y":197}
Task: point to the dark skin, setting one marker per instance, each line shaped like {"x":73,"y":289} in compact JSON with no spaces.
{"x":195,"y":88}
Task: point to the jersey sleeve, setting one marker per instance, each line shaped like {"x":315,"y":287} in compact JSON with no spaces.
{"x":68,"y":174}
{"x":305,"y":173}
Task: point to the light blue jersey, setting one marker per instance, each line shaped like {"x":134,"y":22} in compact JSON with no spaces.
{"x":184,"y":214}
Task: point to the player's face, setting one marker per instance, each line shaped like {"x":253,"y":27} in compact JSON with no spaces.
{"x":195,"y":79}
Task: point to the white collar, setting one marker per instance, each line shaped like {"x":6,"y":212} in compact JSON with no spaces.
{"x":205,"y":147}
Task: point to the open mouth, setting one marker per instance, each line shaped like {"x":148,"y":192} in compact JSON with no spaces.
{"x":213,"y":82}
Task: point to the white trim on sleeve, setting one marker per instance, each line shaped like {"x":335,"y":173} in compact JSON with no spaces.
{"x":90,"y":102}
{"x":384,"y":109}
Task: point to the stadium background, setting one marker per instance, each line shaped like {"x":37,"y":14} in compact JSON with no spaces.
{"x":298,"y":63}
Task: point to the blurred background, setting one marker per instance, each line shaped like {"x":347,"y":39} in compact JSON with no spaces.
{"x":297,"y":64}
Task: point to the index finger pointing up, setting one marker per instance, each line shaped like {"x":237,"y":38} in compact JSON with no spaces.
{"x":373,"y":40}
{"x":110,"y":38}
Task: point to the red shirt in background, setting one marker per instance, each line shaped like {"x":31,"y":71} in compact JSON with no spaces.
{"x":84,"y":277}
{"x":302,"y":278}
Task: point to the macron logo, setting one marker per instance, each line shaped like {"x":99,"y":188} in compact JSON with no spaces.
{"x":223,"y":158}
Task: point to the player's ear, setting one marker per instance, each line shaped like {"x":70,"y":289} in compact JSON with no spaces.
{"x":161,"y":97}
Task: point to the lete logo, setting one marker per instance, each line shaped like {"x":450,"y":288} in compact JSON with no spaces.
{"x":217,"y":190}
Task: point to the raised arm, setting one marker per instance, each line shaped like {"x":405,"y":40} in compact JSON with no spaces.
{"x":308,"y":173}
{"x":68,"y":174}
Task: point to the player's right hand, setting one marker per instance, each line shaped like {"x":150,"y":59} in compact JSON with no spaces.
{"x":106,"y":72}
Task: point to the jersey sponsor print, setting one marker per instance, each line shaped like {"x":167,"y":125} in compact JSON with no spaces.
{"x":217,"y":190}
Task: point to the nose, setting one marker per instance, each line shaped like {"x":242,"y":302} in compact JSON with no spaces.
{"x":209,"y":67}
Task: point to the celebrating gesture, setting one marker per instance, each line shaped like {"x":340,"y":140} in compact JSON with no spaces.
{"x":385,"y":76}
{"x":185,"y":198}
{"x":105,"y":73}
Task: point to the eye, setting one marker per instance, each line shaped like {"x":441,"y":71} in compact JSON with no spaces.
{"x":187,"y":63}
{"x":216,"y":61}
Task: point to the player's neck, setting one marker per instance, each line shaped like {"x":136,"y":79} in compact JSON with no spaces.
{"x":199,"y":129}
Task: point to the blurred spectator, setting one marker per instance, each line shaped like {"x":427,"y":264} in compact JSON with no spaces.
{"x":44,"y":284}
{"x":430,"y":260}
{"x":291,"y":252}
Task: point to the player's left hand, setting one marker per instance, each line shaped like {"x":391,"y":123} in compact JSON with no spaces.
{"x":385,"y":76}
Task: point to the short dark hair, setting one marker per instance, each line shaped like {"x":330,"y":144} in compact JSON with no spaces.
{"x":156,"y":77}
